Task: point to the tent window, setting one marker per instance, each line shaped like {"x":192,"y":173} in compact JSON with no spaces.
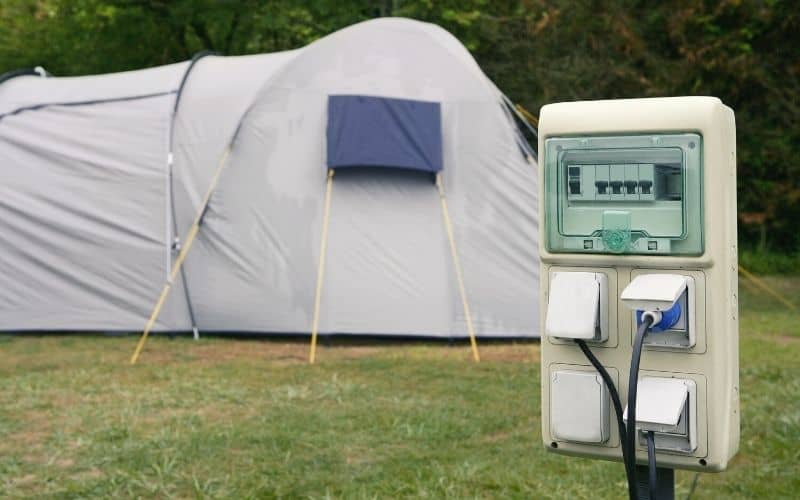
{"x":366,"y":131}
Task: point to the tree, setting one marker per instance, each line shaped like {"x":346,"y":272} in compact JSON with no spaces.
{"x":747,"y":52}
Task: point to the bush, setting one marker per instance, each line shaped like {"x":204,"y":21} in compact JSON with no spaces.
{"x":769,"y":262}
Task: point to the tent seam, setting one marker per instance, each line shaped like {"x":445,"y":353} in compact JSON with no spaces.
{"x":171,"y":185}
{"x":39,"y":107}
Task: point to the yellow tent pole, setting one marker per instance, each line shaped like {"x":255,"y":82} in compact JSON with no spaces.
{"x":457,"y":265}
{"x":750,"y":286}
{"x":190,"y":237}
{"x":323,"y":250}
{"x":760,"y":284}
{"x":528,"y":115}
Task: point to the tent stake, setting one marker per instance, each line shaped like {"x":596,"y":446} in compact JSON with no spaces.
{"x":181,"y":257}
{"x":457,"y":265}
{"x":323,"y":249}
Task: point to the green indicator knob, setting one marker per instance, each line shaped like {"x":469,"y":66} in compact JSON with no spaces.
{"x":616,"y":240}
{"x":617,"y":231}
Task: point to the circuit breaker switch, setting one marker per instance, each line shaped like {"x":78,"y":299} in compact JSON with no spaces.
{"x":577,"y":307}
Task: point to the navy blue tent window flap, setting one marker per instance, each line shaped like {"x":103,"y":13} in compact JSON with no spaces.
{"x":366,"y":131}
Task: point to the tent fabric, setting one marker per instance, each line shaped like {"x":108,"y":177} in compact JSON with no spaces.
{"x":87,"y":224}
{"x":33,"y":90}
{"x":383,"y":132}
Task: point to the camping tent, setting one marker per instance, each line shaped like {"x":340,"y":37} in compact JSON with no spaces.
{"x":102,"y":176}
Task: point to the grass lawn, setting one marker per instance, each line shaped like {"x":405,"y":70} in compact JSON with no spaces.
{"x":241,"y":418}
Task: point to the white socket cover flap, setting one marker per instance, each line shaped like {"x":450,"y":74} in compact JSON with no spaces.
{"x":660,"y":400}
{"x":579,"y":407}
{"x":573,"y":308}
{"x":657,"y":292}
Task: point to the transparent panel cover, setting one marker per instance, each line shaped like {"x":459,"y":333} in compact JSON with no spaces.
{"x":624,"y":194}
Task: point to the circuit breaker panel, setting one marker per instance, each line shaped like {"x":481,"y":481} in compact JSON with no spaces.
{"x":638,"y":203}
{"x":625,"y":194}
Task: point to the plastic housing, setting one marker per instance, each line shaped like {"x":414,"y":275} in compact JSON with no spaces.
{"x":712,"y":364}
{"x":638,"y":193}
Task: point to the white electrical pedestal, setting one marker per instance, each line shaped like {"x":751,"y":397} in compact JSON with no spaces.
{"x":638,"y":219}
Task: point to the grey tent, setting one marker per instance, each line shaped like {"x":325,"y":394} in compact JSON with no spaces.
{"x":102,"y":176}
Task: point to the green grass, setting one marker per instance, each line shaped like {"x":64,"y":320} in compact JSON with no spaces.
{"x":236,"y":418}
{"x":769,"y":262}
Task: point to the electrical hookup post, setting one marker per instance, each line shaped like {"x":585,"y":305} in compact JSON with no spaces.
{"x":640,"y":340}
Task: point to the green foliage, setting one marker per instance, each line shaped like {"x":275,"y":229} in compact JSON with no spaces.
{"x":746,"y":52}
{"x":766,"y":262}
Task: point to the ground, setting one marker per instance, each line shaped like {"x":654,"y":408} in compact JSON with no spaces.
{"x":249,"y":418}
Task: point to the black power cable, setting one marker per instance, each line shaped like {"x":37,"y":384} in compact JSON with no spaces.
{"x":628,"y":434}
{"x":651,"y":464}
{"x":612,"y":390}
{"x":633,"y":383}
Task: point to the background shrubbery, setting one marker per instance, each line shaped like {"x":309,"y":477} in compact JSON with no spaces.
{"x":538,"y":51}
